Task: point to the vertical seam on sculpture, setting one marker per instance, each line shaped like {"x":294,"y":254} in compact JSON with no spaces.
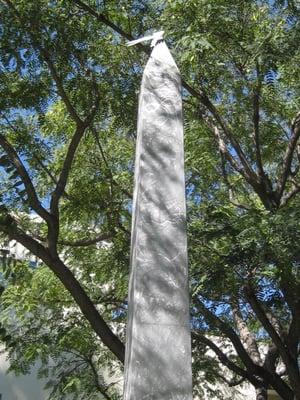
{"x":135,"y":227}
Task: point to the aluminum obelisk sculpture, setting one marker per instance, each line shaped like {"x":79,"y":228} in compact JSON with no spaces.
{"x":158,"y":348}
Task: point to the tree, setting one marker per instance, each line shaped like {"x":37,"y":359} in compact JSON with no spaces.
{"x":67,"y":135}
{"x":46,"y":69}
{"x":244,"y":220}
{"x":44,"y":325}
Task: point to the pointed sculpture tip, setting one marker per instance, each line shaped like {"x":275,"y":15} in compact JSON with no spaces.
{"x":155,"y":37}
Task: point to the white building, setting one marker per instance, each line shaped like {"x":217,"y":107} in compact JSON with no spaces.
{"x":24,"y":387}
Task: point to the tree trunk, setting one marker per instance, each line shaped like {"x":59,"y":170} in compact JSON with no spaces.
{"x":261,"y":393}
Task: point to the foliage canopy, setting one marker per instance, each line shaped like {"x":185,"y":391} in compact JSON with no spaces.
{"x":67,"y":136}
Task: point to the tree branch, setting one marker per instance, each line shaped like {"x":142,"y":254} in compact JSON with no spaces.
{"x":77,"y":243}
{"x":62,"y":181}
{"x":260,"y":313}
{"x":289,"y":361}
{"x":272,"y":379}
{"x":86,"y":242}
{"x":200,"y":95}
{"x":294,"y":333}
{"x":287,"y":160}
{"x":225,"y":360}
{"x":102,"y":390}
{"x":229,"y":186}
{"x":288,"y":196}
{"x":226,"y":154}
{"x":35,"y":156}
{"x":48,"y":172}
{"x":256,"y":98}
{"x":103,"y":19}
{"x":113,"y":182}
{"x":245,"y":334}
{"x":51,"y":66}
{"x":9,"y":227}
{"x":80,"y":127}
{"x":75,"y":141}
{"x":60,"y":88}
{"x":33,"y":199}
{"x":271,"y":358}
{"x":262,"y":187}
{"x":230,"y":333}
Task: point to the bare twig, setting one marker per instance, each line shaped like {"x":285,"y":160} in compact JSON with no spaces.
{"x":229,"y":186}
{"x":113,"y":181}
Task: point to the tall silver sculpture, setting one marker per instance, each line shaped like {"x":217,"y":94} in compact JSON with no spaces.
{"x":158,"y":348}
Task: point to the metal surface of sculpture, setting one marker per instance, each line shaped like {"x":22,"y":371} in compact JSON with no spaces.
{"x":158,"y":348}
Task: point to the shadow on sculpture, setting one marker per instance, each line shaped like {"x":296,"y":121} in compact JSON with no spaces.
{"x":158,"y":351}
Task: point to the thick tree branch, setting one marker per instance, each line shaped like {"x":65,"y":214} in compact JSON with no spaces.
{"x":291,"y":291}
{"x":272,"y":379}
{"x":261,"y":315}
{"x":223,"y":358}
{"x":275,"y":323}
{"x":230,"y":333}
{"x":289,"y":361}
{"x":9,"y":227}
{"x":75,"y":141}
{"x":246,"y":335}
{"x":62,"y":181}
{"x":271,"y":358}
{"x":294,"y":333}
